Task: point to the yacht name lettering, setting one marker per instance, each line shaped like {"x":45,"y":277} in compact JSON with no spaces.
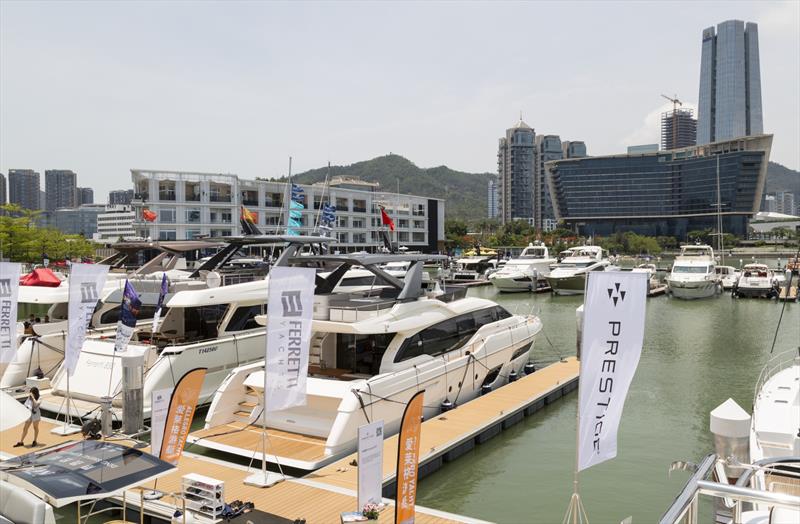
{"x":608,"y":368}
{"x":209,"y":349}
{"x":294,"y":346}
{"x":5,"y":325}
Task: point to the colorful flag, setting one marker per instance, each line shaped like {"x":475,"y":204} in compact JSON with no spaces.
{"x":295,"y":214}
{"x":408,"y":460}
{"x":328,"y":214}
{"x":148,"y":215}
{"x":613,"y":330}
{"x":179,"y":418}
{"x":129,"y":311}
{"x":296,"y":205}
{"x":161,"y":295}
{"x":249,"y":216}
{"x":298,"y":193}
{"x":386,"y":220}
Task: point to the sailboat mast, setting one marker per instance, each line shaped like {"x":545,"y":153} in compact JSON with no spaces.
{"x":720,"y":243}
{"x":288,"y":197}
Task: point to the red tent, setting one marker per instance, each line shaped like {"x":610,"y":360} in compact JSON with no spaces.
{"x":40,"y":277}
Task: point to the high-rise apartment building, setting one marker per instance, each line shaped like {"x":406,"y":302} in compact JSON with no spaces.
{"x":573,"y":149}
{"x":730,"y":83}
{"x":516,"y":169}
{"x":491,"y":200}
{"x":23,"y":188}
{"x":2,"y":189}
{"x":61,"y":187}
{"x":548,"y":148}
{"x":85,"y":195}
{"x":785,"y":203}
{"x":120,"y":197}
{"x":770,"y":205}
{"x":678,"y":129}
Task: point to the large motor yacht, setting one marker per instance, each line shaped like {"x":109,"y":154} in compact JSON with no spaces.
{"x":693,"y":274}
{"x":525,"y":272}
{"x":568,"y":277}
{"x":756,"y":280}
{"x":369,"y":355}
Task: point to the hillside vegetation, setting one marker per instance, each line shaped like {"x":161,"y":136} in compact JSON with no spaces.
{"x":781,"y":178}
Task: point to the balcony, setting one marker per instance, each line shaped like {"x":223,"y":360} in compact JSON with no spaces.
{"x":219,"y":198}
{"x":167,"y":195}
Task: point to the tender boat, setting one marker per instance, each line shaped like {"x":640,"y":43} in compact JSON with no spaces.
{"x":523,"y":273}
{"x":568,"y":277}
{"x":756,"y":280}
{"x":727,"y":276}
{"x":651,"y":270}
{"x":472,"y":268}
{"x":368,"y":356}
{"x":693,"y":274}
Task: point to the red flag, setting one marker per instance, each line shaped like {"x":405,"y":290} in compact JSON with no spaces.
{"x":386,"y":219}
{"x":249,"y":216}
{"x":148,"y":215}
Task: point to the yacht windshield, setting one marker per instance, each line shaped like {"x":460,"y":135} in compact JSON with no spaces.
{"x":569,"y":265}
{"x":690,"y":269}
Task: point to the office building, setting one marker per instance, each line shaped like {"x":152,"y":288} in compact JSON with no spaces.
{"x":678,"y":129}
{"x":115,"y":223}
{"x":770,"y":205}
{"x":643,"y":148}
{"x":191,"y":205}
{"x":573,"y":149}
{"x":516,"y":169}
{"x":3,"y":200}
{"x":491,"y":199}
{"x":23,"y":188}
{"x":81,"y":220}
{"x":84,"y":195}
{"x":730,"y":83}
{"x":120,"y":197}
{"x":61,"y":187}
{"x":668,"y":193}
{"x":785,"y":203}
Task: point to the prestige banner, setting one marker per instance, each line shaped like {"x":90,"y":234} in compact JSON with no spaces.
{"x":86,"y":283}
{"x":290,"y":309}
{"x":9,"y":297}
{"x":613,"y":330}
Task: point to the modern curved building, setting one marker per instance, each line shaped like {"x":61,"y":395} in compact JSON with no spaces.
{"x":665,"y":193}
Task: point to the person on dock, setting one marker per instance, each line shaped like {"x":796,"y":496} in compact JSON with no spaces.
{"x":32,"y":403}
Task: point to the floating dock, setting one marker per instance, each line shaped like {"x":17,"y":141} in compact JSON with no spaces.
{"x":791,"y":296}
{"x":656,"y":291}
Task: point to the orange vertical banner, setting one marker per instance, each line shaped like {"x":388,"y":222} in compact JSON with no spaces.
{"x":408,"y":460}
{"x":179,"y":417}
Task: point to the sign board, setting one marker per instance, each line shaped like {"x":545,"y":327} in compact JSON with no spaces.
{"x":370,"y":464}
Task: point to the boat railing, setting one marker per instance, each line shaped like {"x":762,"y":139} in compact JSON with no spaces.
{"x":686,"y":505}
{"x":774,"y":365}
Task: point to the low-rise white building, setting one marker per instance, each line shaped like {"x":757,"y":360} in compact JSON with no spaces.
{"x":191,"y":205}
{"x":115,"y":223}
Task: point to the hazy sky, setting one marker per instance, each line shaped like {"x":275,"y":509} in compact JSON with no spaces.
{"x":238,"y":87}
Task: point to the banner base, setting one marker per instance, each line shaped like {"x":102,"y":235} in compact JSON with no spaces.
{"x":263,"y":479}
{"x":68,"y":429}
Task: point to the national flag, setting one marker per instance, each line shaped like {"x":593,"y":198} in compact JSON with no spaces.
{"x":386,"y":220}
{"x":249,"y":216}
{"x":129,"y":311}
{"x":148,"y":215}
{"x":160,"y":304}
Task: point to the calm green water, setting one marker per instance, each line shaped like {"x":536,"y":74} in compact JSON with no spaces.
{"x":696,"y":355}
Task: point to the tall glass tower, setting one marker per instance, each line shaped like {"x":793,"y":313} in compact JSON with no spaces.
{"x":730,"y":83}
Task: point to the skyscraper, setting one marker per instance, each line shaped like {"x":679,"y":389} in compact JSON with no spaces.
{"x":730,"y":83}
{"x":491,"y":199}
{"x":61,"y":187}
{"x":84,"y":195}
{"x":23,"y":188}
{"x":120,"y":197}
{"x":573,"y":149}
{"x":2,"y":189}
{"x":516,"y":168}
{"x":548,"y":147}
{"x":678,"y":129}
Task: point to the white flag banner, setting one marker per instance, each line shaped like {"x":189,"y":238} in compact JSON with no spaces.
{"x":289,"y":313}
{"x":613,"y":330}
{"x":370,"y":464}
{"x":9,"y":296}
{"x":159,"y":407}
{"x":86,"y":282}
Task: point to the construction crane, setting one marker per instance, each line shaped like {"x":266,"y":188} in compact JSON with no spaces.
{"x":675,"y":104}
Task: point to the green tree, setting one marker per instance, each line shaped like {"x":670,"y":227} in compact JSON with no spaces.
{"x":21,"y":240}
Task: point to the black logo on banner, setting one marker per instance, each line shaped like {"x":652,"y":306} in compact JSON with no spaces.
{"x":88,"y":292}
{"x":615,"y":294}
{"x":291,"y":304}
{"x":5,"y":287}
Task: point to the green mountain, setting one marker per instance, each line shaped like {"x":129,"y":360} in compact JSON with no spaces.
{"x":464,"y":193}
{"x":781,"y":178}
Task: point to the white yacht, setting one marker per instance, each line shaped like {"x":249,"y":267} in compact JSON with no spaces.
{"x":472,"y":268}
{"x":523,"y":273}
{"x":568,"y":277}
{"x":693,"y":273}
{"x":756,"y":280}
{"x":727,"y":276}
{"x":775,"y":429}
{"x":368,"y":356}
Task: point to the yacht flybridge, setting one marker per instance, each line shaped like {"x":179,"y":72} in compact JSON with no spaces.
{"x":525,"y":272}
{"x":568,"y":277}
{"x":693,"y":274}
{"x":370,"y":352}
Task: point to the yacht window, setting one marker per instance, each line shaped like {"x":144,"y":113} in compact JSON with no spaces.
{"x":244,"y":318}
{"x":112,"y":315}
{"x":690,"y":269}
{"x":361,"y":353}
{"x":59,"y":311}
{"x":201,"y":323}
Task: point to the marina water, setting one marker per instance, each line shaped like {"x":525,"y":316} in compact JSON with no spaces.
{"x":696,"y":355}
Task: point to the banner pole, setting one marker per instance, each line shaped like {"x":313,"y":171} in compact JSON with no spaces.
{"x":576,"y":514}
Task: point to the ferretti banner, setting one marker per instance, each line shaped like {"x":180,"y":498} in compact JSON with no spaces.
{"x":129,"y":310}
{"x":613,"y":330}
{"x":289,"y":312}
{"x":162,"y":293}
{"x":9,"y":291}
{"x":86,"y":282}
{"x":370,"y":464}
{"x":179,"y":418}
{"x":159,"y":407}
{"x":408,"y":460}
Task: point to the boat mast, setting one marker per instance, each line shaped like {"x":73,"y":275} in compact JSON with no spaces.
{"x":720,"y":244}
{"x":288,"y":197}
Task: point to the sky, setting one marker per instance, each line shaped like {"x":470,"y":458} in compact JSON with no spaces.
{"x":239,"y":87}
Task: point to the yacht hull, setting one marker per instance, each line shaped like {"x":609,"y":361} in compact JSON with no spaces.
{"x":692,"y":289}
{"x":571,"y":285}
{"x":514,"y":283}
